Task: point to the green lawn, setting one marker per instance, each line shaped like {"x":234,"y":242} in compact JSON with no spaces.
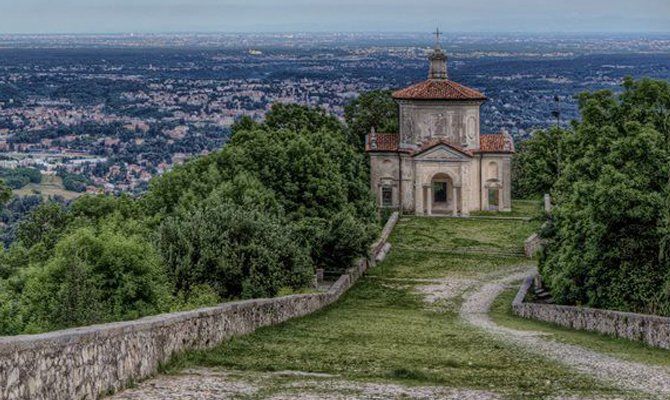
{"x":462,"y":235}
{"x":502,"y":314}
{"x":382,"y":330}
{"x":520,"y":208}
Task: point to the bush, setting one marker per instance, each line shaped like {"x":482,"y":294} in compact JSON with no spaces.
{"x":95,"y":277}
{"x":238,"y":252}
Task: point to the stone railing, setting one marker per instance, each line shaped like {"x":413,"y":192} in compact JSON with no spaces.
{"x":88,"y":362}
{"x":649,"y":329}
{"x":532,"y":245}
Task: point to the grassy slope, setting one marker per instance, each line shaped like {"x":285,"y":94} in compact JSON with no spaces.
{"x":520,"y":208}
{"x":383,"y":331}
{"x":501,"y":313}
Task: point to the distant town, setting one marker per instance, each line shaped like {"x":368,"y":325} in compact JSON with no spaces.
{"x":104,"y":114}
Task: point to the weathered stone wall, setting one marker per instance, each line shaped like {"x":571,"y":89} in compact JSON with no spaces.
{"x":532,"y":245}
{"x":457,"y":121}
{"x":85,"y":363}
{"x":650,"y":329}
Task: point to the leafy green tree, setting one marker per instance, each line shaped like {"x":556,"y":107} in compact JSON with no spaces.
{"x":300,"y":118}
{"x":375,"y":109}
{"x":95,"y":276}
{"x":5,"y":193}
{"x":44,"y":225}
{"x":237,"y":251}
{"x":536,"y":164}
{"x":95,"y":208}
{"x":607,"y":230}
{"x":245,"y":123}
{"x":314,"y":174}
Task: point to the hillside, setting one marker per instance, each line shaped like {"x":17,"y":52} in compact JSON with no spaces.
{"x":407,"y":330}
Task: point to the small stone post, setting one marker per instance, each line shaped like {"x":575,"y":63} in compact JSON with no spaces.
{"x":547,"y":203}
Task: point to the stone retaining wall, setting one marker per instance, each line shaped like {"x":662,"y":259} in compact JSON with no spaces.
{"x":650,"y":329}
{"x":85,"y":363}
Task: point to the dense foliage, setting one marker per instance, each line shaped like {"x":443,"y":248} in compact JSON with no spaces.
{"x":610,"y":227}
{"x":252,"y":220}
{"x":20,"y":177}
{"x":535,"y":164}
{"x":375,"y":109}
{"x":74,"y":182}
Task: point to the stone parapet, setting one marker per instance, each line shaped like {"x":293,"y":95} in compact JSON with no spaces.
{"x":649,"y":329}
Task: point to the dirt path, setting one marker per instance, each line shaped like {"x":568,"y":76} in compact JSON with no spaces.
{"x":627,"y":375}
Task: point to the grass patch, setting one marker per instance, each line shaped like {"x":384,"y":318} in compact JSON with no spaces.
{"x":501,"y":313}
{"x":408,"y":263}
{"x":520,"y":208}
{"x":50,"y":186}
{"x":450,"y":234}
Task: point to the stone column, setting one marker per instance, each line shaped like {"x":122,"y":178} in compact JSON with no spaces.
{"x":418,"y":200}
{"x":465,"y":211}
{"x":455,"y":207}
{"x":429,"y":200}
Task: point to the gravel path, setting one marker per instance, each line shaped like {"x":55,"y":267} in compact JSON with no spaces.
{"x":213,"y":384}
{"x":624,"y":374}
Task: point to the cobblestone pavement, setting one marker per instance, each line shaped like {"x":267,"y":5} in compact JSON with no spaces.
{"x":212,"y":384}
{"x":653,"y":380}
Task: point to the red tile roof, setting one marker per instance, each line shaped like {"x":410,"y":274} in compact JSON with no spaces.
{"x":496,"y":143}
{"x":385,"y":142}
{"x":488,"y":143}
{"x":438,"y":89}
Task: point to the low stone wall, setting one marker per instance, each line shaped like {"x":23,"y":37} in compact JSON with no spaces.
{"x":85,"y":363}
{"x":649,"y":329}
{"x":532,"y":245}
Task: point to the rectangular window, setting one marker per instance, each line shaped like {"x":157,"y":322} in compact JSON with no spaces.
{"x":387,"y":197}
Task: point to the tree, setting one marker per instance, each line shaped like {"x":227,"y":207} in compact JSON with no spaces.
{"x":607,"y":230}
{"x":300,"y":118}
{"x":5,"y":193}
{"x":536,"y":164}
{"x":95,"y":276}
{"x":44,"y":225}
{"x":245,"y":123}
{"x":375,"y":109}
{"x":237,"y":251}
{"x":314,"y":174}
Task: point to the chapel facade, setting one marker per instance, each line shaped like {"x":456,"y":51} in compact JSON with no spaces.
{"x":439,"y":162}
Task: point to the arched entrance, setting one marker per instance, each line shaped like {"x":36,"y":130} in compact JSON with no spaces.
{"x":441,"y":196}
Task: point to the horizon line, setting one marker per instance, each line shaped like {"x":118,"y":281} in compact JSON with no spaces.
{"x":132,"y":33}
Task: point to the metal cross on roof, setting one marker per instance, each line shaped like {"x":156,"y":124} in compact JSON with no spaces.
{"x":437,"y":37}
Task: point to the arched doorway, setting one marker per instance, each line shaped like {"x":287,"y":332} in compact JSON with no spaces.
{"x":443,"y":199}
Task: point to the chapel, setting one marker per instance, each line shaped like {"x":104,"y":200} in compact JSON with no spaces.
{"x":439,"y":162}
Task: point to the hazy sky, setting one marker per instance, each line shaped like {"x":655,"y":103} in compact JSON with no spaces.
{"x":112,"y":16}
